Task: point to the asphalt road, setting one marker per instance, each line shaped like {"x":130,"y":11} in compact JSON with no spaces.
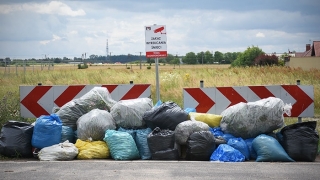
{"x":142,"y":169}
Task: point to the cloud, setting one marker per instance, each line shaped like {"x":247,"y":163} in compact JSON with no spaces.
{"x":53,"y":7}
{"x":260,"y":35}
{"x":73,"y":27}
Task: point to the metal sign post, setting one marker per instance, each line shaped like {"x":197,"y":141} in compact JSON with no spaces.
{"x":157,"y":79}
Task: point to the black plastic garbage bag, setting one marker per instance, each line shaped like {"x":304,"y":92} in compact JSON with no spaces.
{"x":160,"y":140}
{"x":300,"y":141}
{"x":165,"y":116}
{"x":169,"y":154}
{"x":15,"y":139}
{"x":200,"y":146}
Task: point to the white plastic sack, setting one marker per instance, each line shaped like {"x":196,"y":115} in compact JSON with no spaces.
{"x":59,"y":152}
{"x":248,"y":120}
{"x":129,"y":113}
{"x":93,"y":125}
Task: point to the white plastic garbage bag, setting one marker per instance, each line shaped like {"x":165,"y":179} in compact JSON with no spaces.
{"x":59,"y":152}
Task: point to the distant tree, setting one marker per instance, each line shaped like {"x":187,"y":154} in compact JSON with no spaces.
{"x":93,"y":57}
{"x":7,"y":59}
{"x":208,"y":57}
{"x":218,"y":56}
{"x":162,"y":60}
{"x":229,"y":57}
{"x":190,"y":58}
{"x":201,"y":58}
{"x":150,"y":61}
{"x":176,"y":60}
{"x":57,"y":60}
{"x":247,"y":58}
{"x":169,"y":58}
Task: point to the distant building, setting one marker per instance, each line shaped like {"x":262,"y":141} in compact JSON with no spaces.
{"x":311,"y":50}
{"x":307,"y":60}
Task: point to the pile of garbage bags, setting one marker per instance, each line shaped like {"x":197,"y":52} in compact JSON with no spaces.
{"x":95,"y":126}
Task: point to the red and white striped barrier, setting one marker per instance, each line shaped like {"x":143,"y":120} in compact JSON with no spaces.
{"x":40,"y":100}
{"x":216,"y":99}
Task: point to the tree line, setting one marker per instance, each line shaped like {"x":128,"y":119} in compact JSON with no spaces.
{"x":251,"y":56}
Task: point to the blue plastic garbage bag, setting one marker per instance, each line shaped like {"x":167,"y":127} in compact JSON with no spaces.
{"x":132,"y":132}
{"x":142,"y":143}
{"x":226,"y":153}
{"x":188,"y":110}
{"x":268,"y":149}
{"x":253,"y":154}
{"x":227,"y":136}
{"x":47,"y":131}
{"x":216,"y":131}
{"x":241,"y":145}
{"x":122,"y":145}
{"x":67,"y":133}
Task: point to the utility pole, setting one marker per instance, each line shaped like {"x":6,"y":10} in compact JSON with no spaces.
{"x":45,"y":58}
{"x":84,"y":56}
{"x":110,"y":57}
{"x":202,"y":57}
{"x":107,"y":50}
{"x":48,"y":60}
{"x":140,"y":59}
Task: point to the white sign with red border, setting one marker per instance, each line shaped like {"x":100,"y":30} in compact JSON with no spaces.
{"x":156,"y":41}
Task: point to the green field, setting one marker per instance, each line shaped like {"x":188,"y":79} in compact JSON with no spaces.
{"x":173,"y":78}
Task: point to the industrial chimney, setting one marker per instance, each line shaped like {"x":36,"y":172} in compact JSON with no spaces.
{"x":308,"y":47}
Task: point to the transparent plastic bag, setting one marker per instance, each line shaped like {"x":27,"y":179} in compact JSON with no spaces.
{"x":94,"y":124}
{"x":129,"y":113}
{"x":248,"y":120}
{"x":96,"y":98}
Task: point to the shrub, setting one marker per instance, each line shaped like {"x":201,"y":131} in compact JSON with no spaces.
{"x":84,"y":66}
{"x":148,"y":67}
{"x":266,"y":60}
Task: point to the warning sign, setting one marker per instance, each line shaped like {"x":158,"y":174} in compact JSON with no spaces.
{"x":156,"y":41}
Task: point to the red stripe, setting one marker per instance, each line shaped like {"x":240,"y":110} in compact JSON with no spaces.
{"x":110,"y":87}
{"x":205,"y":102}
{"x":135,"y":91}
{"x":261,"y":91}
{"x":303,"y":100}
{"x":68,"y":94}
{"x":231,"y":94}
{"x":31,"y":100}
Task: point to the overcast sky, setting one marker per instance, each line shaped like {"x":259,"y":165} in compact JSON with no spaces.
{"x":33,"y":29}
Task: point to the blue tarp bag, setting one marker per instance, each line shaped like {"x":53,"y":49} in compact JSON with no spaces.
{"x":188,"y":110}
{"x":67,"y":133}
{"x":122,"y":145}
{"x":253,"y":154}
{"x":132,"y":132}
{"x":142,"y":143}
{"x":226,"y":153}
{"x":241,"y":145}
{"x":47,"y":131}
{"x":227,"y":136}
{"x":216,"y":131}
